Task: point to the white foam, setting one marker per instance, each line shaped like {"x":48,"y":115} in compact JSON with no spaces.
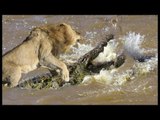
{"x":104,"y":77}
{"x":113,"y":77}
{"x":109,"y":77}
{"x":108,"y":53}
{"x":77,"y":52}
{"x":146,"y":67}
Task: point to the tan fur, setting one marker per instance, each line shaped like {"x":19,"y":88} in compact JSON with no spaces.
{"x":40,"y":48}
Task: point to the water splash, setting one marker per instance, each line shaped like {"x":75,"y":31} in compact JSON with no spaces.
{"x":108,"y":53}
{"x":146,"y":67}
{"x":114,"y":77}
{"x":90,"y":35}
{"x":132,"y":45}
{"x":77,"y":52}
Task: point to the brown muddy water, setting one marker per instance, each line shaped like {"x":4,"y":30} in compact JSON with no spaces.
{"x":108,"y":87}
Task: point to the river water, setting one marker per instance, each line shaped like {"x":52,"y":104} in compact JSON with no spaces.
{"x":134,"y":35}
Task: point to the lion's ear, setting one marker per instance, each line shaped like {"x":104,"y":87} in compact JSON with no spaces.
{"x":35,"y":32}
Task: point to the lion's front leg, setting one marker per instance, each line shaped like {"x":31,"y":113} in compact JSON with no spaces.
{"x":52,"y":61}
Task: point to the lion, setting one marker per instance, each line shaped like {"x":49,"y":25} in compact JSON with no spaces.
{"x":40,"y":48}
